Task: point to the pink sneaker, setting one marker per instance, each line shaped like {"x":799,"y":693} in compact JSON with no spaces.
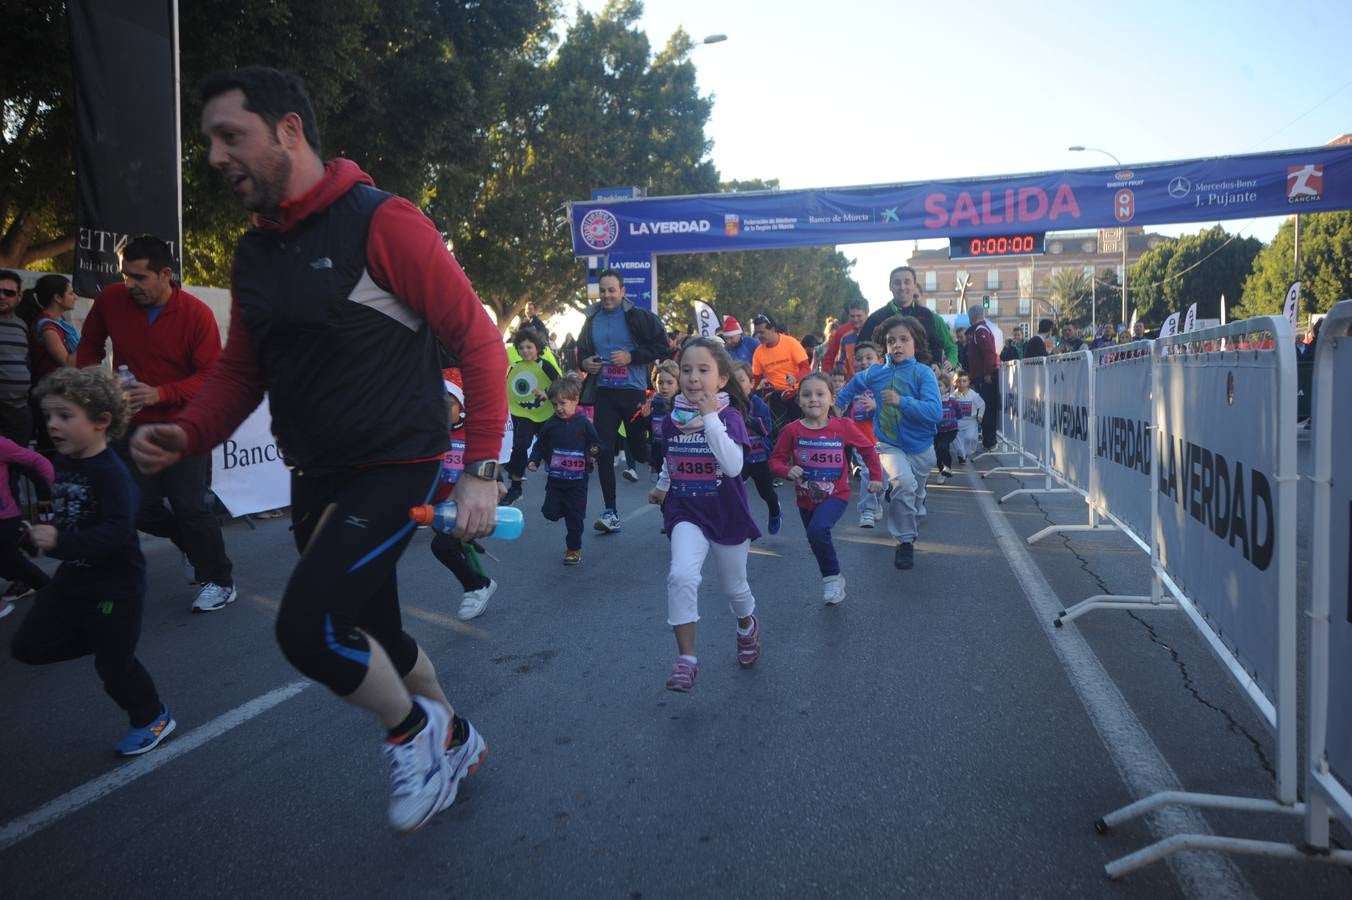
{"x":748,"y":645}
{"x":682,"y":676}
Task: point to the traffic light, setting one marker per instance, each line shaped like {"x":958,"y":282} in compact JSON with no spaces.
{"x":986,"y":301}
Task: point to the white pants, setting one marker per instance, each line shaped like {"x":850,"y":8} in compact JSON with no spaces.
{"x":907,"y":474}
{"x":689,"y":546}
{"x":968,"y":439}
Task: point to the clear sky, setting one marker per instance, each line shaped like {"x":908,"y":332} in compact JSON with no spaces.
{"x":853,"y":92}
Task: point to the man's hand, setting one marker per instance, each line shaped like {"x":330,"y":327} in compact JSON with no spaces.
{"x":592,"y":364}
{"x":476,"y":501}
{"x":43,"y":537}
{"x":790,"y":380}
{"x":157,"y":447}
{"x":139,"y":396}
{"x":620,"y":357}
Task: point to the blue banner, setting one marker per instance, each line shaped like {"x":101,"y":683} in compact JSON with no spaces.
{"x":1199,"y":190}
{"x":639,"y":271}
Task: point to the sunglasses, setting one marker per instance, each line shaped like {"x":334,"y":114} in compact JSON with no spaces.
{"x":8,"y":292}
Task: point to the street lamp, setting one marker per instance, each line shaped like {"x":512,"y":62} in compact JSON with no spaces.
{"x":714,"y":39}
{"x":1078,"y":148}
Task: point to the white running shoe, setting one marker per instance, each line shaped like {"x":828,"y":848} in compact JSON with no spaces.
{"x":464,"y":760}
{"x":833,"y":589}
{"x":213,"y":597}
{"x":867,"y":519}
{"x":418,"y":770}
{"x":608,"y":522}
{"x":630,"y":474}
{"x":475,"y":602}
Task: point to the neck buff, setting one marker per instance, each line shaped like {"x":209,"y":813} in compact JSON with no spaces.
{"x":687,"y":416}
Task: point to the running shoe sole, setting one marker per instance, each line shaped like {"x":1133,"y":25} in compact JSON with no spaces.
{"x":471,"y":757}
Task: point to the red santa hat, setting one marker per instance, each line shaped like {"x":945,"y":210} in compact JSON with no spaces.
{"x":454,"y":382}
{"x":730,"y":327}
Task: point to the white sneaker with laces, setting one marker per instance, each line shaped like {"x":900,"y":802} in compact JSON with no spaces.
{"x":867,"y":519}
{"x":213,"y":597}
{"x":475,"y":602}
{"x":419,"y":773}
{"x":833,"y":589}
{"x":464,"y":760}
{"x":608,"y":522}
{"x":630,"y":474}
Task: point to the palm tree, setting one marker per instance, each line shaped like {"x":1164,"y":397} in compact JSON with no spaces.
{"x":1069,"y":289}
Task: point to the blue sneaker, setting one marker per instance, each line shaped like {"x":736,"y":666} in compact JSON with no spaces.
{"x":138,"y":740}
{"x":776,"y":522}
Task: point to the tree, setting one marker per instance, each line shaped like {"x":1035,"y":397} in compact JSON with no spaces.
{"x":601,"y":111}
{"x":1325,"y":266}
{"x":408,"y":88}
{"x":1068,"y":294}
{"x":37,"y":120}
{"x":1196,"y":268}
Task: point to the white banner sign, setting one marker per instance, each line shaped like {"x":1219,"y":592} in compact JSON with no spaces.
{"x":1068,"y":416}
{"x":1170,"y":325}
{"x":247,"y":472}
{"x":1291,"y":308}
{"x":1190,"y":321}
{"x":707,"y":323}
{"x":1122,"y":443}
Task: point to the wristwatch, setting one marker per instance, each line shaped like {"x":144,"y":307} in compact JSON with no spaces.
{"x":486,"y":470}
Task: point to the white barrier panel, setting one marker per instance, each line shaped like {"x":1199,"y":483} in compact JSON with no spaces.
{"x":1009,"y":401}
{"x":1032,"y":395}
{"x":1330,"y":690}
{"x":1123,"y":446}
{"x":1067,"y":417}
{"x":1221,"y":432}
{"x":247,"y":472}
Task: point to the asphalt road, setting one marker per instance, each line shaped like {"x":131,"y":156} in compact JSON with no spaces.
{"x":931,"y":737}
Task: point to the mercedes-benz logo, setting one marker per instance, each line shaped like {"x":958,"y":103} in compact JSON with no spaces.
{"x":1179,"y":187}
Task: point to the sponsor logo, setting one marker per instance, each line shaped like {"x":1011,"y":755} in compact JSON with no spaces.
{"x":1124,"y":205}
{"x":1179,"y":187}
{"x":1124,"y":175}
{"x":1304,"y":184}
{"x":890,"y":215}
{"x":599,"y":229}
{"x":1125,"y":178}
{"x":732,"y":224}
{"x":684,"y":226}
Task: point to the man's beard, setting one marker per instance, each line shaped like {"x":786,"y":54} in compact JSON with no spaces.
{"x":269,"y":184}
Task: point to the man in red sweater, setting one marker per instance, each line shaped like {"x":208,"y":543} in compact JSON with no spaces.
{"x":168,"y":339}
{"x":983,"y":360}
{"x":839,"y":356}
{"x":340,"y":293}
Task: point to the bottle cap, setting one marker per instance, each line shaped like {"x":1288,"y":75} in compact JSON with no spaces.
{"x":423,"y":515}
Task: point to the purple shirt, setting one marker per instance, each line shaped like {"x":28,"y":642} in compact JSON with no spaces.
{"x":700,"y":493}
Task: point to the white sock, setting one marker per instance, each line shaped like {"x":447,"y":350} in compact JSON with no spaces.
{"x":693,"y":660}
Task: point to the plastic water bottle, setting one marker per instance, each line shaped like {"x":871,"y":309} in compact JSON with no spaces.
{"x":442,"y":518}
{"x":125,"y":377}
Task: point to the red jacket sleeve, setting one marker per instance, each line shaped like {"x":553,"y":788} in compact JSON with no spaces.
{"x":205,"y":350}
{"x":833,"y":348}
{"x":232,"y":389}
{"x":93,"y":337}
{"x":408,"y":256}
{"x":855,"y":438}
{"x":781,"y":459}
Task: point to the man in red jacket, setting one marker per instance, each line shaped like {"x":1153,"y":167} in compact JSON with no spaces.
{"x":839,"y":355}
{"x":340,"y":293}
{"x":167,"y":339}
{"x":983,"y":360}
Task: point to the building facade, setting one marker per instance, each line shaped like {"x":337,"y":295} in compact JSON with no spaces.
{"x":1018,"y":286}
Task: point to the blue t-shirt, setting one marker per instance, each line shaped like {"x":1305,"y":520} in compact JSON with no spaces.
{"x":610,"y":332}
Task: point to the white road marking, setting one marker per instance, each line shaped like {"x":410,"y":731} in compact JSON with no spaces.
{"x":1142,"y":767}
{"x":173,"y":747}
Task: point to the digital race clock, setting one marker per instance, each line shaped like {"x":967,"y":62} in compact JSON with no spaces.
{"x":1029,"y":244}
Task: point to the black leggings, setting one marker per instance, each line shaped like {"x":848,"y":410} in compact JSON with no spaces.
{"x":613,"y":407}
{"x":66,"y":625}
{"x":943,"y":449}
{"x":454,"y":555}
{"x":351,"y":528}
{"x":759,"y":474}
{"x":523,"y":432}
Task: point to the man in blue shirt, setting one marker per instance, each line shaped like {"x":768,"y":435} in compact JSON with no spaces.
{"x":740,"y":347}
{"x":617,"y":346}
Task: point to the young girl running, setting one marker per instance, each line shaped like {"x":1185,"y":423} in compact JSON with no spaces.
{"x":814,"y":453}
{"x":948,"y":428}
{"x":757,"y":468}
{"x":904,"y":423}
{"x":668,"y":373}
{"x":970,"y":410}
{"x":704,"y":506}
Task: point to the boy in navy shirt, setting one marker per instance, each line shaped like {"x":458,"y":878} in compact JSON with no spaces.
{"x":93,"y":604}
{"x":567,"y":444}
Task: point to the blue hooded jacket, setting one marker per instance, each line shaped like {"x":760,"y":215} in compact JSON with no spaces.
{"x":911,"y":427}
